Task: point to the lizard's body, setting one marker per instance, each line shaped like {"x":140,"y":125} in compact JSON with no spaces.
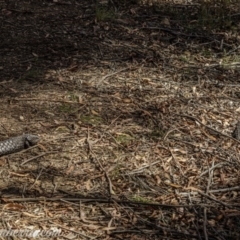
{"x":17,"y":144}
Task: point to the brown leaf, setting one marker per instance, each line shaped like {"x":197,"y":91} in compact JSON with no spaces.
{"x":14,"y":206}
{"x":166,"y":22}
{"x":70,"y":169}
{"x":13,"y":90}
{"x":29,"y":215}
{"x":94,"y":112}
{"x":88,"y":184}
{"x":18,"y":174}
{"x":127,"y":100}
{"x":90,"y":226}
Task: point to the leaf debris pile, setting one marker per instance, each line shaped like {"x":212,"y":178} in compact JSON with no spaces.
{"x":135,"y":120}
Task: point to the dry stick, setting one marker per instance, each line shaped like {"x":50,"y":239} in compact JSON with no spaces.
{"x":80,"y":211}
{"x":115,"y":140}
{"x":111,"y":74}
{"x":143,"y":231}
{"x":124,"y":209}
{"x":18,"y":174}
{"x":233,"y":50}
{"x":70,"y":230}
{"x":205,"y":224}
{"x":109,"y":225}
{"x":45,"y":100}
{"x":106,"y":175}
{"x":139,"y":169}
{"x":19,"y":11}
{"x":171,"y":130}
{"x":114,"y":120}
{"x":225,"y":189}
{"x":109,"y":184}
{"x":89,"y":143}
{"x":197,"y":120}
{"x":212,"y":198}
{"x":156,"y":226}
{"x":36,"y":178}
{"x":101,"y":200}
{"x":210,"y":172}
{"x":101,"y":54}
{"x":215,"y":65}
{"x":38,"y":156}
{"x":130,"y":231}
{"x":4,"y":127}
{"x":110,"y":190}
{"x":213,"y":167}
{"x":104,"y":211}
{"x":197,"y":229}
{"x":32,"y":158}
{"x":55,"y":185}
{"x":176,"y":162}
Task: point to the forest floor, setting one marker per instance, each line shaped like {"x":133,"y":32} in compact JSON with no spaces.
{"x":135,"y":110}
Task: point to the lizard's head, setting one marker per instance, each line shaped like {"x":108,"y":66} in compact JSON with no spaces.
{"x":31,"y":140}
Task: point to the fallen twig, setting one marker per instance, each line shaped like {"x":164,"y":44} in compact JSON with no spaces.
{"x":71,"y":230}
{"x":205,"y":224}
{"x":38,"y":156}
{"x":225,"y":189}
{"x":102,"y":200}
{"x":111,"y":74}
{"x":214,"y":130}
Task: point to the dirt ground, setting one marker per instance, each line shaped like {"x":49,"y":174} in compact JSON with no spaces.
{"x":135,"y":116}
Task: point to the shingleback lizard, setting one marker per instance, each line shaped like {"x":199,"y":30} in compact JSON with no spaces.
{"x":17,"y":144}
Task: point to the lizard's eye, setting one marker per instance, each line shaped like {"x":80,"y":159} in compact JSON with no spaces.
{"x":27,"y":143}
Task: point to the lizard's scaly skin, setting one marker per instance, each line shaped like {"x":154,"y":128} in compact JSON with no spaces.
{"x":236,"y":132}
{"x":17,"y":144}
